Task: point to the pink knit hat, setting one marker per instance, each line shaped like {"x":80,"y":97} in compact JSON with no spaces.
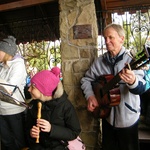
{"x":46,"y":81}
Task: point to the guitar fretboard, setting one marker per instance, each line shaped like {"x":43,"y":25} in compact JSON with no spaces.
{"x":110,"y":85}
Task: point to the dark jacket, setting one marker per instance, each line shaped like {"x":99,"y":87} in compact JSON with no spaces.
{"x":64,"y":123}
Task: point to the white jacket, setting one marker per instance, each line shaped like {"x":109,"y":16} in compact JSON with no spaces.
{"x":15,"y":74}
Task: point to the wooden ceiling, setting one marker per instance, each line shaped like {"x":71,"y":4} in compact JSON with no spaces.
{"x":122,"y":4}
{"x":106,"y":4}
{"x":14,"y":4}
{"x":31,"y":20}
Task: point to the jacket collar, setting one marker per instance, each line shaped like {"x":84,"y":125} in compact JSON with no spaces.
{"x":119,"y":57}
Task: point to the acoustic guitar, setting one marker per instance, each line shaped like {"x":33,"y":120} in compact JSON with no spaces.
{"x":106,"y":87}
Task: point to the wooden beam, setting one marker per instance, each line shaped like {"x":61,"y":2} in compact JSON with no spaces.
{"x":116,"y":4}
{"x":22,"y":3}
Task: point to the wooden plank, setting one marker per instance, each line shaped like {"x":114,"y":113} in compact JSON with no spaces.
{"x":114,"y":4}
{"x":22,"y":3}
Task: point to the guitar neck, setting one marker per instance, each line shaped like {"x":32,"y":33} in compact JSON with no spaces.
{"x":133,"y":65}
{"x":110,"y":85}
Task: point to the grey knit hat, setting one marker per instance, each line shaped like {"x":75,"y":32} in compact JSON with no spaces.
{"x":8,"y":45}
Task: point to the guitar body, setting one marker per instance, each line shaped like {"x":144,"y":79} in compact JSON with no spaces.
{"x":106,"y":99}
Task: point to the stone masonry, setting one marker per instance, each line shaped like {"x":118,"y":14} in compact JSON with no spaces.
{"x":77,"y":54}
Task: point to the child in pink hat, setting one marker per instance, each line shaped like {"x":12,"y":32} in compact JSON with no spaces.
{"x":46,"y":81}
{"x":59,"y":120}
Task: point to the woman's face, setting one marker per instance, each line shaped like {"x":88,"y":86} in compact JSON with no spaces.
{"x":2,"y":54}
{"x":35,"y":93}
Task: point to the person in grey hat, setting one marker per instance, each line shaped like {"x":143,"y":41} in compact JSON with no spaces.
{"x":8,"y":45}
{"x":13,"y":72}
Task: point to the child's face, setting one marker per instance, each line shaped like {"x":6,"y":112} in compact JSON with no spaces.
{"x":35,"y":93}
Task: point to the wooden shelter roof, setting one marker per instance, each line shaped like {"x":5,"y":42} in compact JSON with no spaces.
{"x":36,"y":20}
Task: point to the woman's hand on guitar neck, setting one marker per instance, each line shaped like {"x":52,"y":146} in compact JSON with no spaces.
{"x":127,"y":76}
{"x":92,"y":103}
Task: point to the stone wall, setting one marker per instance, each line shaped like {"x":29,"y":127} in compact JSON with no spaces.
{"x":77,"y":54}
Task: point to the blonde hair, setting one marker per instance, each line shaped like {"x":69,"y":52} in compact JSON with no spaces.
{"x":118,"y":28}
